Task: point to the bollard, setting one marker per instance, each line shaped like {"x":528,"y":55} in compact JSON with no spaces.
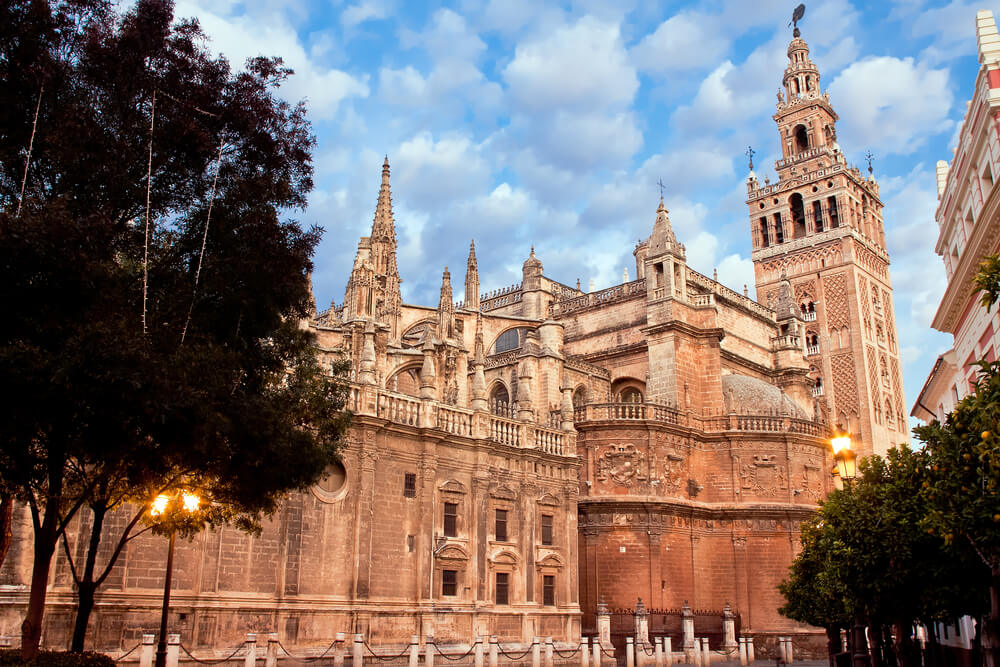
{"x":743,"y":651}
{"x":338,"y":650}
{"x":147,"y":650}
{"x":584,"y":651}
{"x":750,"y":651}
{"x":695,"y":652}
{"x":250,"y":659}
{"x":629,"y":652}
{"x":781,"y":649}
{"x":789,"y":654}
{"x":429,"y":651}
{"x":640,"y":653}
{"x":479,"y":651}
{"x":494,"y":650}
{"x":271,"y":657}
{"x":549,"y":649}
{"x":536,"y":652}
{"x":668,"y":651}
{"x":658,"y":648}
{"x":595,"y":643}
{"x":173,"y":649}
{"x":357,"y":655}
{"x":706,"y":654}
{"x":414,"y":650}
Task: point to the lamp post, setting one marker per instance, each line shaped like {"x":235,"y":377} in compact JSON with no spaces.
{"x":847,"y":468}
{"x":158,"y":508}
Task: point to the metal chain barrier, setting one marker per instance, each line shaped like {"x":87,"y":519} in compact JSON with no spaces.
{"x":650,"y":652}
{"x":447,"y":657}
{"x":388,"y":657}
{"x":212,"y":662}
{"x":566,"y":655}
{"x":309,"y":659}
{"x":128,"y":652}
{"x":606,"y":654}
{"x":514,"y":657}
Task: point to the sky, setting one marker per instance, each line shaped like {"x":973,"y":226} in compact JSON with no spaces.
{"x":522,"y":122}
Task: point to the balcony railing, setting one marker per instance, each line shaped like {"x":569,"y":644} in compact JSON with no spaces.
{"x":812,"y":349}
{"x":654,"y":412}
{"x":809,"y":316}
{"x":817,"y":391}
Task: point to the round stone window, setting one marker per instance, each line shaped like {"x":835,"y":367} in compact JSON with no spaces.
{"x":331,"y":487}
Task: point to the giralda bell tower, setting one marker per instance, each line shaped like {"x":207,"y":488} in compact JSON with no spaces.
{"x":820,"y":226}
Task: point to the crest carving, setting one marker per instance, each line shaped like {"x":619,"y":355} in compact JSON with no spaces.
{"x":622,"y":464}
{"x":763,"y":477}
{"x":673,"y":473}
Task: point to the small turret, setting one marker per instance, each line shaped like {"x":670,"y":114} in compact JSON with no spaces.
{"x":472,"y":280}
{"x":446,"y":308}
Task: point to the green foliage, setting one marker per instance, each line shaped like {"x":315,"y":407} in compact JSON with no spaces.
{"x":137,"y":360}
{"x":988,"y":280}
{"x":12,"y":658}
{"x":869,"y":555}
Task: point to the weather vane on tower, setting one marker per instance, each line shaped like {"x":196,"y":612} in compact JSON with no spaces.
{"x":750,"y":153}
{"x":869,"y":157}
{"x":660,"y":183}
{"x":797,"y":15}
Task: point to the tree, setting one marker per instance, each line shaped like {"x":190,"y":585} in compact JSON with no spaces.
{"x":965,"y":471}
{"x":152,"y":290}
{"x":868,"y":557}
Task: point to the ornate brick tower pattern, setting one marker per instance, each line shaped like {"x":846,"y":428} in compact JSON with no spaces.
{"x":821,"y":227}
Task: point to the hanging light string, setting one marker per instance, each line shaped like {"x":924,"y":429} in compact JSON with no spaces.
{"x":31,"y":144}
{"x":204,"y":241}
{"x":149,"y":185}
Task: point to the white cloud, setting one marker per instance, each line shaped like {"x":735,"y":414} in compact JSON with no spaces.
{"x":367,"y":10}
{"x":429,"y":173}
{"x":248,"y":35}
{"x":680,"y":43}
{"x":578,"y":66}
{"x":735,"y":272}
{"x":891,"y":105}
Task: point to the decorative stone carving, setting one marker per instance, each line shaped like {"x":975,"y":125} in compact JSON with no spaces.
{"x":673,"y":473}
{"x":622,"y":464}
{"x":764,"y":476}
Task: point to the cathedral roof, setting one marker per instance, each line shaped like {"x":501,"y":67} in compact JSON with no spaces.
{"x":745,"y":394}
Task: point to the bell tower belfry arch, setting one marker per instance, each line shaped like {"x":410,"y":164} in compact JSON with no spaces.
{"x":821,"y":226}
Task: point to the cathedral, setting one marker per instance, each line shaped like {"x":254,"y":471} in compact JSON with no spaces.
{"x":522,"y":457}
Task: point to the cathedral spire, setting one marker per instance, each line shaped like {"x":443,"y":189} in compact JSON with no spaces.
{"x":446,"y":308}
{"x":663,"y":240}
{"x":384,"y":226}
{"x":472,"y":280}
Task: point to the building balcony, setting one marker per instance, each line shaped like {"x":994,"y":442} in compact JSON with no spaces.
{"x":812,"y":349}
{"x":595,"y":413}
{"x":817,"y":391}
{"x":809,"y":316}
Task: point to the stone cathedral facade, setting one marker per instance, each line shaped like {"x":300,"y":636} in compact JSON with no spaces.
{"x":520,"y":456}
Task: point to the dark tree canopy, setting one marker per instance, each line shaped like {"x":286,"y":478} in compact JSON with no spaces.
{"x":152,"y":283}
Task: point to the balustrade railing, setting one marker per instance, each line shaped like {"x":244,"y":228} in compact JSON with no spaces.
{"x":505,"y":431}
{"x":549,"y":441}
{"x":629,"y":412}
{"x":785,"y":342}
{"x":609,"y":295}
{"x":812,"y":349}
{"x":809,"y":316}
{"x":454,"y":420}
{"x":399,"y":409}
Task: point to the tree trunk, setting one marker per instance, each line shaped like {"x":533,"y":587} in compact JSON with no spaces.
{"x":875,"y":643}
{"x":6,"y":527}
{"x":889,"y":647}
{"x":833,"y":643}
{"x":45,"y":545}
{"x":904,"y":645}
{"x":86,"y":587}
{"x":991,"y":631}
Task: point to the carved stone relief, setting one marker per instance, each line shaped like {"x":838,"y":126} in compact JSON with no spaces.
{"x":622,"y":464}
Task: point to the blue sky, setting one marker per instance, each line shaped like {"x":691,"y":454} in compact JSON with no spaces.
{"x":517,"y":122}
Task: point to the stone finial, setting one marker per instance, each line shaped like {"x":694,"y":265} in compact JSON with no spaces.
{"x":987,"y":38}
{"x":384,"y":225}
{"x":428,"y":374}
{"x":663,"y":240}
{"x":446,"y":308}
{"x":368,"y":361}
{"x":472,"y":279}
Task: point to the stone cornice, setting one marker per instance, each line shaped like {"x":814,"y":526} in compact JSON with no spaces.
{"x":717,"y":333}
{"x":653,"y":504}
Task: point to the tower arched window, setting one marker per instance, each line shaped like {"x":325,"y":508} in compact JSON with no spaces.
{"x":801,"y":137}
{"x":797,"y":209}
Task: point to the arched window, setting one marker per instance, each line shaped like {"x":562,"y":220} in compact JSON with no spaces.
{"x":765,"y":239}
{"x":801,"y":138}
{"x":500,"y":401}
{"x":508,"y":340}
{"x":630,"y":395}
{"x":798,"y":210}
{"x":406,"y":381}
{"x":580,"y":397}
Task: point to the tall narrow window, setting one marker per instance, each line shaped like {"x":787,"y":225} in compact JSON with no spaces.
{"x":451,"y":520}
{"x":501,"y":526}
{"x":818,"y":215}
{"x":546,"y":529}
{"x":779,"y":232}
{"x":765,"y":239}
{"x":449,"y":582}
{"x":502,"y":595}
{"x":410,"y":485}
{"x":549,"y":590}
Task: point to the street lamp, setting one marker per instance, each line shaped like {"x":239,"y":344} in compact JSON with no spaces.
{"x":158,"y":508}
{"x":847,"y":468}
{"x":845,"y":457}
